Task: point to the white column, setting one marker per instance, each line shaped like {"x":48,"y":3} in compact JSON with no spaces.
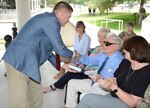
{"x":23,"y":12}
{"x":39,"y":4}
{"x":33,"y":4}
{"x":45,"y":4}
{"x":36,"y":4}
{"x":31,"y":1}
{"x":145,"y":28}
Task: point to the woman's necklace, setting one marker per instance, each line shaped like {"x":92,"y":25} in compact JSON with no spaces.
{"x":129,"y":74}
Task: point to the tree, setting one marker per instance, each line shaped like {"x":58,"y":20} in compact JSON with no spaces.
{"x":71,"y":1}
{"x":49,"y":2}
{"x":10,"y":4}
{"x":102,"y":5}
{"x":10,"y":1}
{"x":81,"y":2}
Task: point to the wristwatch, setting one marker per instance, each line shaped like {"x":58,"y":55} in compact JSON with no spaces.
{"x":115,"y":90}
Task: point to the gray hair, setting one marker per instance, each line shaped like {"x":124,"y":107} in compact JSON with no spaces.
{"x":107,"y":30}
{"x":116,"y":38}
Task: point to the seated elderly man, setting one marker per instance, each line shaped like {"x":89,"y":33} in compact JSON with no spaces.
{"x":108,"y":61}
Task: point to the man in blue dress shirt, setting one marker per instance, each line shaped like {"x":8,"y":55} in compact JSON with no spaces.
{"x":112,"y":44}
{"x":29,"y":50}
{"x":107,"y":61}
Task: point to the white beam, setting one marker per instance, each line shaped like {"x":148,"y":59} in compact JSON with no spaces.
{"x":45,"y":4}
{"x":23,"y":12}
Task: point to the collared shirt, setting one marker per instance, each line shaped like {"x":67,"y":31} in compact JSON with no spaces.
{"x":110,"y":66}
{"x":82,"y":45}
{"x":124,"y":35}
{"x":34,"y":45}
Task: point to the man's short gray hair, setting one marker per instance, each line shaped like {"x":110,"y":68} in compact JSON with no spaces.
{"x":107,"y":30}
{"x":116,"y":38}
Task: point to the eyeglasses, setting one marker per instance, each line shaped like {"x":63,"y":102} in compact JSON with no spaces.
{"x":108,"y":43}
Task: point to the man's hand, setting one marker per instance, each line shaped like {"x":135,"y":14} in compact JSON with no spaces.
{"x":66,"y":67}
{"x":76,"y":60}
{"x":96,"y":77}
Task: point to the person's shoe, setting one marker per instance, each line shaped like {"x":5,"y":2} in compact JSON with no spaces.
{"x":48,"y":89}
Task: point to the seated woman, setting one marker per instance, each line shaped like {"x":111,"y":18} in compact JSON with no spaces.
{"x":81,"y":45}
{"x":132,"y":79}
{"x":94,"y":51}
{"x":82,"y":41}
{"x":101,"y":36}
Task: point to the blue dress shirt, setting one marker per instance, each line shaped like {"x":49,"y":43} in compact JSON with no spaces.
{"x":110,"y":66}
{"x":34,"y":45}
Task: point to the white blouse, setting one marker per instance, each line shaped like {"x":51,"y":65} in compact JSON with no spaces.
{"x":82,"y":46}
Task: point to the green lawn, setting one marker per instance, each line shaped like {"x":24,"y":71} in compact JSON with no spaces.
{"x":2,"y":41}
{"x":113,"y":25}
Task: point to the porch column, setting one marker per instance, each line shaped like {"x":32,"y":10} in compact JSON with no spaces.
{"x":23,"y":12}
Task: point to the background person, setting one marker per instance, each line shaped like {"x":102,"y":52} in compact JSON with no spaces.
{"x":94,"y":10}
{"x":29,"y":50}
{"x":142,"y":13}
{"x":129,"y":31}
{"x":89,"y":10}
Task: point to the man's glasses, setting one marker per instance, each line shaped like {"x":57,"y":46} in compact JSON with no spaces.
{"x":108,"y":43}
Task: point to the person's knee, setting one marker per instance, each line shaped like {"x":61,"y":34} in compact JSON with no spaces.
{"x":84,"y":101}
{"x":89,"y":98}
{"x":71,"y":83}
{"x":82,"y":95}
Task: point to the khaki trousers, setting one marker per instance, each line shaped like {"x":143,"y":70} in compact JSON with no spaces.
{"x":23,"y":92}
{"x":85,"y":87}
